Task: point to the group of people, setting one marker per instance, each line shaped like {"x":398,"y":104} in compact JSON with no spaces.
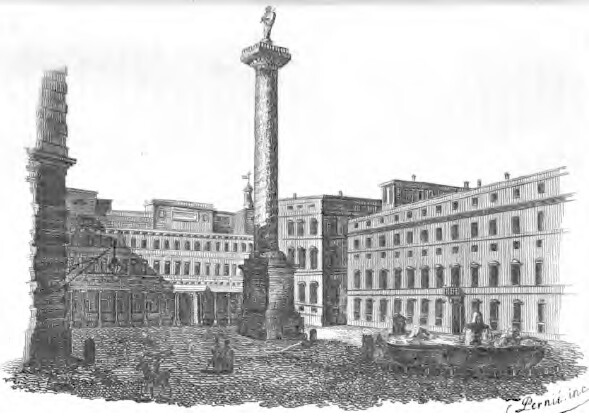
{"x":223,"y":357}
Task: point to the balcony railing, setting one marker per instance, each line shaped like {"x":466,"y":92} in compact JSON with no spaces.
{"x":453,"y":291}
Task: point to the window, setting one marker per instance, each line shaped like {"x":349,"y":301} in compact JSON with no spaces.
{"x":423,"y":253}
{"x":186,"y":268}
{"x":251,"y":247}
{"x":356,"y":244}
{"x":409,"y":237}
{"x":474,"y":248}
{"x":197,"y":268}
{"x":225,"y":270}
{"x":474,"y":276}
{"x":314,"y":225}
{"x":302,"y":257}
{"x":381,"y":219}
{"x":177,"y":266}
{"x":410,"y":278}
{"x":289,"y":207}
{"x":474,"y":229}
{"x":368,"y":279}
{"x":515,"y":228}
{"x":439,"y":311}
{"x":369,"y":242}
{"x":474,"y":202}
{"x":455,"y":276}
{"x":313,"y":292}
{"x":540,"y":220}
{"x":410,"y":310}
{"x":455,"y":250}
{"x":539,"y":272}
{"x":368,"y":256}
{"x":438,"y":209}
{"x":424,"y":236}
{"x":438,"y":251}
{"x":515,"y":274}
{"x":156,"y":266}
{"x":301,"y":291}
{"x":516,"y":245}
{"x":369,"y":307}
{"x":424,"y":212}
{"x":208,"y":246}
{"x":439,"y":276}
{"x":368,"y":223}
{"x":397,"y":306}
{"x":382,"y":240}
{"x":516,"y":322}
{"x":425,"y":278}
{"x":290,"y":255}
{"x":300,"y":228}
{"x":409,"y":215}
{"x":357,"y":303}
{"x":494,"y":197}
{"x":396,"y":217}
{"x":454,"y":205}
{"x":410,"y":253}
{"x":493,"y":246}
{"x":423,"y":316}
{"x":397,"y":254}
{"x":541,"y":317}
{"x":208,"y":269}
{"x":541,"y":187}
{"x":156,"y":244}
{"x":217,"y":246}
{"x":493,"y":227}
{"x":397,"y":239}
{"x":383,"y":310}
{"x":314,"y":258}
{"x":398,"y":278}
{"x":383,"y":279}
{"x":176,"y":244}
{"x":439,"y":234}
{"x":516,"y":193}
{"x":475,"y":305}
{"x":356,"y":225}
{"x":494,"y":314}
{"x":217,"y":269}
{"x":539,"y":243}
{"x":290,"y":228}
{"x":494,"y":275}
{"x":167,"y":267}
{"x":226,"y":247}
{"x":234,"y":269}
{"x":383,"y":254}
{"x":197,"y":246}
{"x":143,"y":243}
{"x":357,"y":279}
{"x":454,"y":232}
{"x":133,"y":242}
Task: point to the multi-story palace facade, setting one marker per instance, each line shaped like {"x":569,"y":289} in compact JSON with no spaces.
{"x":492,"y":249}
{"x":189,"y":245}
{"x":313,"y":235}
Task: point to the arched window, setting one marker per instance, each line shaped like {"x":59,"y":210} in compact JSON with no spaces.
{"x":398,"y":278}
{"x":290,"y":254}
{"x":302,"y":257}
{"x":494,"y":274}
{"x":369,"y":309}
{"x":494,"y":314}
{"x":383,"y":310}
{"x":424,"y":312}
{"x":439,"y":276}
{"x":313,"y":289}
{"x":314,"y":256}
{"x":290,"y":228}
{"x":516,"y":322}
{"x":314,"y":226}
{"x":357,"y":304}
{"x":301,"y":292}
{"x":383,"y":279}
{"x":197,"y":246}
{"x":368,"y":279}
{"x":455,"y":276}
{"x":357,"y":279}
{"x":540,"y":220}
{"x":300,"y":228}
{"x":439,"y":311}
{"x":425,"y":277}
{"x":410,"y":278}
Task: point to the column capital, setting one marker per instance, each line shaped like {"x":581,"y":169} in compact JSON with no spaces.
{"x":264,"y":55}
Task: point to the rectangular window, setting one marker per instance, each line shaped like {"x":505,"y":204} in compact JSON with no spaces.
{"x":397,"y":306}
{"x":493,"y":227}
{"x":186,"y":268}
{"x":439,"y":311}
{"x":217,"y":246}
{"x":541,"y":317}
{"x":156,"y":244}
{"x":396,"y":218}
{"x":439,"y":235}
{"x":474,"y":248}
{"x":356,"y":244}
{"x":225,"y":270}
{"x":515,"y":274}
{"x":409,"y":237}
{"x":197,"y":268}
{"x":494,"y":275}
{"x":539,"y":243}
{"x":515,"y":228}
{"x":539,"y":272}
{"x":410,"y":310}
{"x":454,"y":232}
{"x":494,"y":197}
{"x":234,"y":269}
{"x":208,"y":269}
{"x":516,"y":245}
{"x":423,"y":253}
{"x":474,"y":229}
{"x":397,"y":281}
{"x":397,"y":239}
{"x":369,"y":276}
{"x":410,"y":253}
{"x":424,"y":236}
{"x":369,"y":306}
{"x":474,"y":276}
{"x":493,"y":246}
{"x":541,"y":187}
{"x":455,"y":250}
{"x":454,"y":205}
{"x":369,"y":242}
{"x":166,"y":244}
{"x":475,"y":202}
{"x":425,"y":278}
{"x":409,"y":215}
{"x":438,"y":209}
{"x":383,"y":254}
{"x":516,"y":193}
{"x":226,"y":247}
{"x":177,"y":267}
{"x":494,"y":315}
{"x":357,"y":303}
{"x":382,"y":241}
{"x":383,"y":310}
{"x":397,"y":254}
{"x":410,"y":278}
{"x":217,"y":269}
{"x":156,"y":266}
{"x":540,"y":220}
{"x":439,"y":277}
{"x":438,"y":251}
{"x":167,"y":267}
{"x":424,"y":212}
{"x":423,"y":316}
{"x":517,"y":316}
{"x":368,"y":256}
{"x":144,"y":243}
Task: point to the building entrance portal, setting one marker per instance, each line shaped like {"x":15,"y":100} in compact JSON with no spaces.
{"x":185,"y":309}
{"x":457,"y":316}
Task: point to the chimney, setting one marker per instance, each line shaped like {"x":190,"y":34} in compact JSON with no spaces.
{"x":340,"y":193}
{"x":479,"y":183}
{"x":506,"y":176}
{"x":466,"y":184}
{"x":294,"y":196}
{"x":413,"y":177}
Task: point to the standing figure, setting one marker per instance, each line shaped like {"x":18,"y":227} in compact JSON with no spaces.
{"x":476,"y":331}
{"x":227,"y":357}
{"x":216,"y":359}
{"x":268,"y":19}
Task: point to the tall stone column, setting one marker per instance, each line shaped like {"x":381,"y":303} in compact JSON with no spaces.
{"x":50,"y":337}
{"x":268,"y":304}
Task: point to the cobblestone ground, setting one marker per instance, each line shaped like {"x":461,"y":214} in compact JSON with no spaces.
{"x":330,"y":372}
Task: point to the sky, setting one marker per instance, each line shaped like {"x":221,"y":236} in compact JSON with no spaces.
{"x":161,"y":106}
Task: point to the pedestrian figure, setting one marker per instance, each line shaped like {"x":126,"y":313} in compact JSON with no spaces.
{"x":215,"y":361}
{"x":227,"y":358}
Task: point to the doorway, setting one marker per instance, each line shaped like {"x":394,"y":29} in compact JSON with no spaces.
{"x":457,"y":316}
{"x":89,"y":351}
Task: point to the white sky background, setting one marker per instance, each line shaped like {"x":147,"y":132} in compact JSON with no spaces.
{"x":161,"y":107}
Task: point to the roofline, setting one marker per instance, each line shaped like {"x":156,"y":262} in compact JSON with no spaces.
{"x":421,"y":183}
{"x":182,"y":204}
{"x":324,"y":196}
{"x":87,"y":191}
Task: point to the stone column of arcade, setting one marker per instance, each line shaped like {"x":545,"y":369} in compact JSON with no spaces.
{"x":268,"y":304}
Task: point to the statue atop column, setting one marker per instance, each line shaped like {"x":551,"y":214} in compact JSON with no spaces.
{"x":268,"y":20}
